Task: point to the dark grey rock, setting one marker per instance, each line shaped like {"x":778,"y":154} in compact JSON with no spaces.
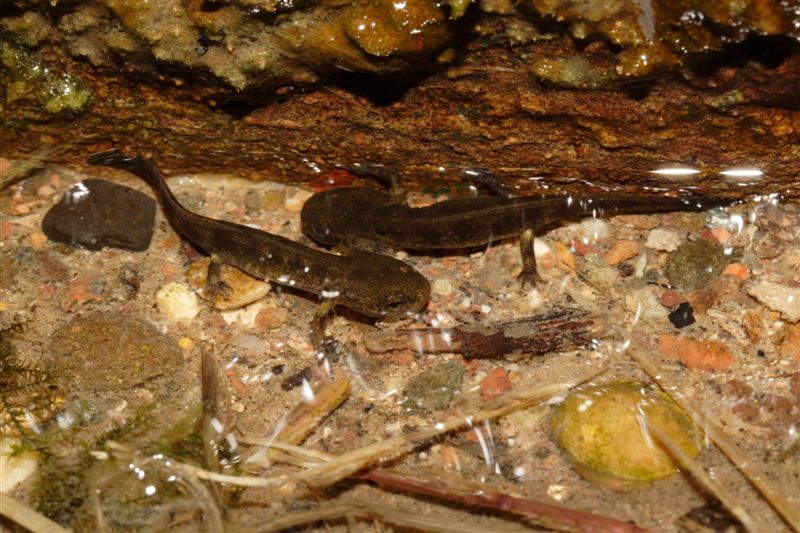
{"x":682,"y":316}
{"x":98,"y":213}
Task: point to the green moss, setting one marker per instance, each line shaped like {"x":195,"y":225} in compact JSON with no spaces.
{"x":27,"y":78}
{"x":573,"y":73}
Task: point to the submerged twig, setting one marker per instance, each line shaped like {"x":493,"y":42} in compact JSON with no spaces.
{"x":550,"y":516}
{"x":392,"y":515}
{"x":26,"y":517}
{"x":711,"y":485}
{"x":559,"y":329}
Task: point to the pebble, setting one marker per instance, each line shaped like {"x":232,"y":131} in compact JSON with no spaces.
{"x":702,"y":300}
{"x":566,"y":258}
{"x":790,"y":346}
{"x":178,"y":302}
{"x":244,"y":288}
{"x":38,"y":240}
{"x":645,"y":303}
{"x":98,"y":213}
{"x":694,"y":264}
{"x":442,"y":287}
{"x":736,"y":270}
{"x":185,"y":343}
{"x":433,"y":389}
{"x":670,"y":298}
{"x":294,"y":201}
{"x":697,"y":355}
{"x":16,"y":467}
{"x":794,"y":384}
{"x":7,"y":229}
{"x":594,"y":229}
{"x":495,"y":384}
{"x":664,"y":240}
{"x":682,"y":316}
{"x":777,"y":297}
{"x":271,"y":317}
{"x":622,"y":250}
{"x":89,"y":286}
{"x":105,"y":351}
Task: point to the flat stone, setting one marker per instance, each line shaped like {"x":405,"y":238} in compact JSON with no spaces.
{"x":781,"y":298}
{"x":98,"y":213}
{"x":110,"y":351}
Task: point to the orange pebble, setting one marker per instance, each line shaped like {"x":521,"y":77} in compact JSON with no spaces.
{"x":7,"y":229}
{"x":790,"y":347}
{"x":622,"y":250}
{"x":670,"y":298}
{"x":736,"y":270}
{"x":697,"y":355}
{"x":566,"y":258}
{"x":495,"y":384}
{"x":38,"y":240}
{"x":721,"y":234}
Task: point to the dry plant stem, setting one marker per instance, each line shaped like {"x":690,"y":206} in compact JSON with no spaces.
{"x":391,"y":515}
{"x":697,"y":472}
{"x":745,"y":464}
{"x":349,"y":463}
{"x":307,"y":416}
{"x":550,"y":516}
{"x":27,"y":517}
{"x":345,"y":465}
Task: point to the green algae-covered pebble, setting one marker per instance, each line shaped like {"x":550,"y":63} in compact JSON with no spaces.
{"x":694,"y":264}
{"x":599,"y":429}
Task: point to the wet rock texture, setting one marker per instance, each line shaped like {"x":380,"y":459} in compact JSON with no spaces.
{"x":576,"y":92}
{"x":99,"y":213}
{"x":111,"y":351}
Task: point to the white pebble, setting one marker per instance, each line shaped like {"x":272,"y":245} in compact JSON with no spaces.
{"x":778,"y":297}
{"x":442,"y":287}
{"x":178,"y":302}
{"x":662,"y":239}
{"x":594,"y":229}
{"x":15,"y":469}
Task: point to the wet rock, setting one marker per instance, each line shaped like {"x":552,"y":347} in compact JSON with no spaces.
{"x":621,"y":251}
{"x":790,"y":347}
{"x":770,"y":411}
{"x":702,"y":300}
{"x":244,"y":288}
{"x":694,"y":264}
{"x":177,"y":302}
{"x":682,"y":316}
{"x":111,"y":351}
{"x":495,"y":384}
{"x":662,"y":239}
{"x":599,"y":429}
{"x":777,"y":297}
{"x":670,"y":298}
{"x":98,"y":213}
{"x":697,"y":355}
{"x":433,"y":389}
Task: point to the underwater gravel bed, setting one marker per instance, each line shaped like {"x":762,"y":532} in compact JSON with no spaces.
{"x":727,"y":335}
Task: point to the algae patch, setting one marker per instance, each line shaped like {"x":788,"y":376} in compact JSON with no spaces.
{"x":27,"y":77}
{"x":599,"y":428}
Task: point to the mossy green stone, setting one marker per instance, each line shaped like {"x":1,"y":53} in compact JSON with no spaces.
{"x":599,"y":428}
